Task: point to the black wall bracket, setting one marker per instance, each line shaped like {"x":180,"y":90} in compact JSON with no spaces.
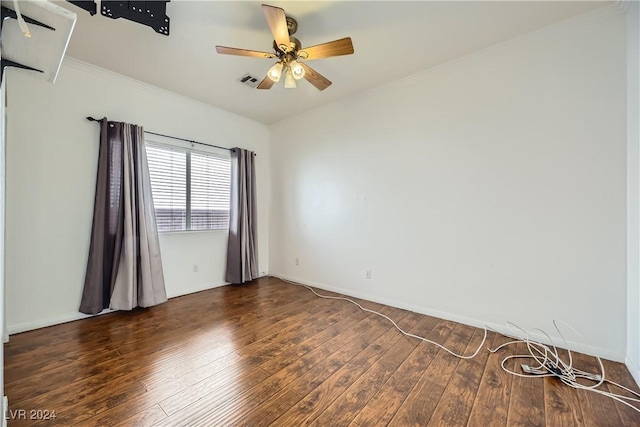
{"x":88,"y":5}
{"x":4,"y":63}
{"x":150,"y":13}
{"x":8,"y":63}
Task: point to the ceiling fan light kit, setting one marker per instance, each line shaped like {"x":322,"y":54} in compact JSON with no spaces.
{"x":290,"y":53}
{"x":275,"y":72}
{"x":289,"y":81}
{"x":297,"y":70}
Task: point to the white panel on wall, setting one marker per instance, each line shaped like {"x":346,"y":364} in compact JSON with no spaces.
{"x":487,"y":190}
{"x":3,"y":328}
{"x":52,"y":153}
{"x":633,"y":189}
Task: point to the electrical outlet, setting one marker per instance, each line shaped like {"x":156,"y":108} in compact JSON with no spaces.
{"x":297,"y":261}
{"x":367,"y":274}
{"x":195,"y":268}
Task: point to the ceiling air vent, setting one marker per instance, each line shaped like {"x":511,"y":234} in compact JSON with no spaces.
{"x":249,"y":80}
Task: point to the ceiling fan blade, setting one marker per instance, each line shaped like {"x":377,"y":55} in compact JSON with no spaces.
{"x":325,"y":50}
{"x":266,"y":83}
{"x":243,"y":52}
{"x":277,"y":21}
{"x":315,"y":78}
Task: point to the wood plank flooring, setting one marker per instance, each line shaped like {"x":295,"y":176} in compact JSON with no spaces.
{"x":272,"y":353}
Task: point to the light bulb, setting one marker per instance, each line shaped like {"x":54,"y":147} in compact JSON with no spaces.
{"x":289,"y":81}
{"x":275,"y":72}
{"x":297,"y":70}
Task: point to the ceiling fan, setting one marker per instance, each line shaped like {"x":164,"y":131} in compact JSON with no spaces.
{"x":290,"y":53}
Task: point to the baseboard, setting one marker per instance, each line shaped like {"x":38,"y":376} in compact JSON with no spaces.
{"x":56,"y":320}
{"x":206,"y":287}
{"x":195,"y":289}
{"x":503,"y":329}
{"x":70,"y":317}
{"x":633,"y":369}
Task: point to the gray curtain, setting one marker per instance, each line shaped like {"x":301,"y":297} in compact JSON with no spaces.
{"x":124,"y":269}
{"x":242,"y":249}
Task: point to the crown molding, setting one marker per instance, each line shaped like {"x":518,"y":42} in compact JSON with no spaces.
{"x":146,"y":87}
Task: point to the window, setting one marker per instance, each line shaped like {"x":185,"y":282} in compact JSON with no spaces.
{"x":191,"y":189}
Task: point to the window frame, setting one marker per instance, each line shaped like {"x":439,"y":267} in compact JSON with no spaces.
{"x":189,"y":147}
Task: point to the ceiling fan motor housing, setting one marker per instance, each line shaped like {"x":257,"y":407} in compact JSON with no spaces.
{"x":292,"y":25}
{"x":294,"y":44}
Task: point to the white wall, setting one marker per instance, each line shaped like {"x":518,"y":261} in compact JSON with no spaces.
{"x":51,"y":166}
{"x":633,"y":189}
{"x":3,"y":407}
{"x":487,"y":190}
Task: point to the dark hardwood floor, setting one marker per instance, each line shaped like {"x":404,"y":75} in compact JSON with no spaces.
{"x":272,"y":353}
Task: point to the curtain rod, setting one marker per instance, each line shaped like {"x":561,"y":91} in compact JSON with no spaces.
{"x":91,"y":119}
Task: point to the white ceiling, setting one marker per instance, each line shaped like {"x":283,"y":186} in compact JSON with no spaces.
{"x":391,"y":39}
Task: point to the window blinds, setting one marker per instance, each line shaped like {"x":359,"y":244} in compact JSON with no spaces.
{"x":210,"y":192}
{"x":191,"y":190}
